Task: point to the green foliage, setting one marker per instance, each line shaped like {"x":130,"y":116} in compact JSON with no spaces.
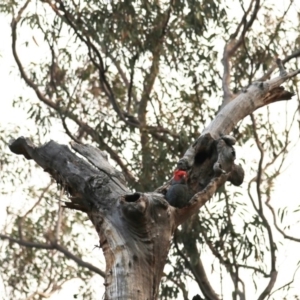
{"x":141,"y":80}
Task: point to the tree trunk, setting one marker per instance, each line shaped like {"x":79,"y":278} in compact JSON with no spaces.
{"x":135,"y":230}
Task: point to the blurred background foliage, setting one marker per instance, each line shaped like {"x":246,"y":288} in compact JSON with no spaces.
{"x":141,"y":80}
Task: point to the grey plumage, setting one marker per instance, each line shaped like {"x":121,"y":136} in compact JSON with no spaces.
{"x":178,"y":193}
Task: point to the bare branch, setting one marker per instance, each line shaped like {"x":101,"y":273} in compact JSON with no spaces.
{"x":295,"y":54}
{"x":64,"y":111}
{"x":234,"y":278}
{"x":100,"y":65}
{"x":257,"y":95}
{"x":78,"y":260}
{"x":148,"y":83}
{"x":196,"y":266}
{"x":255,"y":269}
{"x":127,"y":83}
{"x":22,"y":9}
{"x":59,"y":215}
{"x":232,"y":46}
{"x":21,"y":220}
{"x":92,"y":50}
{"x":182,"y":287}
{"x":48,"y":102}
{"x":243,"y":20}
{"x":26,"y":243}
{"x":227,"y":264}
{"x":55,"y":246}
{"x":199,"y":199}
{"x":267,"y":75}
{"x":63,"y":169}
{"x":287,"y":284}
{"x":286,"y":236}
{"x":247,"y":26}
{"x":259,"y":172}
{"x":266,"y":224}
{"x":130,"y":87}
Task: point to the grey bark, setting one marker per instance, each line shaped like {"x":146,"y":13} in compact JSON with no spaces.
{"x":135,"y":229}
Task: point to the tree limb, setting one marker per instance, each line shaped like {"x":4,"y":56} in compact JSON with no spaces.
{"x":257,"y":95}
{"x":78,"y":260}
{"x":198,"y":200}
{"x":74,"y":174}
{"x":62,"y":110}
{"x":127,"y":83}
{"x":266,"y":76}
{"x":232,"y":46}
{"x":285,"y":285}
{"x":286,"y":236}
{"x":182,"y":287}
{"x":22,"y":218}
{"x":266,"y":224}
{"x":194,"y":261}
{"x":227,"y":264}
{"x":55,"y":246}
{"x":235,"y":278}
{"x":100,"y":65}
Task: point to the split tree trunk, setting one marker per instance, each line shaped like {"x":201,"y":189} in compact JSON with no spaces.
{"x":135,"y":230}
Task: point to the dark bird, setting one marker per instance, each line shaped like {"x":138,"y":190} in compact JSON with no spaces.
{"x":178,"y":193}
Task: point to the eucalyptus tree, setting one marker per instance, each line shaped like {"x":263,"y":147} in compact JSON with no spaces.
{"x":142,"y":88}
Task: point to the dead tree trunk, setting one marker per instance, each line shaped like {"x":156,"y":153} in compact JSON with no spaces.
{"x":135,"y":230}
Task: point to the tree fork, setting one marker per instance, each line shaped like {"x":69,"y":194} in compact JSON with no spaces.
{"x":135,"y":230}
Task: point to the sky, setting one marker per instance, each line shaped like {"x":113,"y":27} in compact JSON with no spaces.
{"x":286,"y":190}
{"x":11,"y":87}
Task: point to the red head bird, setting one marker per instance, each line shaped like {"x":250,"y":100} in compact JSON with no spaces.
{"x":178,"y":194}
{"x":180,"y":176}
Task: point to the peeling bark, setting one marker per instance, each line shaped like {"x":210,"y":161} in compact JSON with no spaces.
{"x":201,"y":155}
{"x":135,"y":230}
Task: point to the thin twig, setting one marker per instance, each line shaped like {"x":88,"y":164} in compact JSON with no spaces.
{"x":259,"y":172}
{"x":55,"y":246}
{"x":89,"y":130}
{"x":232,"y":46}
{"x":286,"y":236}
{"x":285,"y":285}
{"x":266,"y":224}
{"x":21,"y":220}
